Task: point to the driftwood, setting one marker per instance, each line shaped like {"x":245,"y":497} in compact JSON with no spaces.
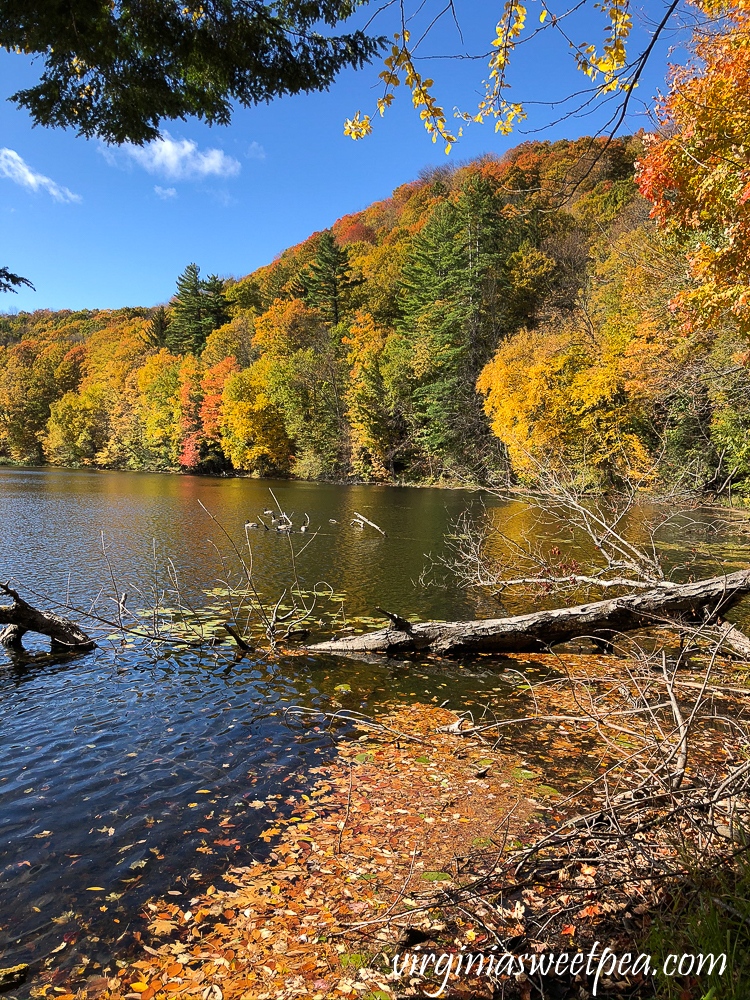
{"x":691,"y":603}
{"x":361,"y":517}
{"x":20,"y":618}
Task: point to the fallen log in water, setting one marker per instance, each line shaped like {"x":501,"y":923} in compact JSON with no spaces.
{"x":699,"y":602}
{"x":20,"y":618}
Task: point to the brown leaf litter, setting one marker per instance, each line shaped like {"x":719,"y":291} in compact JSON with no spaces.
{"x":385,"y":829}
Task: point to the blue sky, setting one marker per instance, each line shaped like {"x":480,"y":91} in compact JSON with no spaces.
{"x":102,"y":227}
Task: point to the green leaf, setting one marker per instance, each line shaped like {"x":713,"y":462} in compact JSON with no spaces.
{"x":436,"y":877}
{"x":545,"y":790}
{"x":355,"y":961}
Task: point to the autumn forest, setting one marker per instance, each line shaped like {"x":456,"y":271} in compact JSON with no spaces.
{"x":360,"y":754}
{"x":576,"y":302}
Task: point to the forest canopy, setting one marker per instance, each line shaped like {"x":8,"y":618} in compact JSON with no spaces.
{"x":574,"y":304}
{"x":482,"y":321}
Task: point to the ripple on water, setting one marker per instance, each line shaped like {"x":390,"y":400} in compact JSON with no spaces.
{"x":113,"y":773}
{"x":123,"y":772}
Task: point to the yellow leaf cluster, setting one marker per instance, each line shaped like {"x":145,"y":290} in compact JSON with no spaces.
{"x":610,"y":65}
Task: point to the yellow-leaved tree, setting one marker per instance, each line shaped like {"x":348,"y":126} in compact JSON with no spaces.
{"x":582,"y":390}
{"x":556,"y":397}
{"x":252,"y":429}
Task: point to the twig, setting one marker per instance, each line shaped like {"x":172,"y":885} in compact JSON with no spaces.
{"x":348,"y":805}
{"x":372,"y":524}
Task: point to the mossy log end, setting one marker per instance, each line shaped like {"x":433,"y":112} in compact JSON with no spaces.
{"x":701,"y":602}
{"x":20,"y":618}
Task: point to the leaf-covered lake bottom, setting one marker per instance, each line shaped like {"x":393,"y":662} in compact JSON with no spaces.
{"x":123,"y":780}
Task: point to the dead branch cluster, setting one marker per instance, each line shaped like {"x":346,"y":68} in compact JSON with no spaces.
{"x":565,"y":539}
{"x":673,"y":798}
{"x":659,"y":817}
{"x":156,"y":612}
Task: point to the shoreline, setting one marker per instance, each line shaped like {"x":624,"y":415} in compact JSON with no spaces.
{"x":739,"y":505}
{"x":406,"y":844}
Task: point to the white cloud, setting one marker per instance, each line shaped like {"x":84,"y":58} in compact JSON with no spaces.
{"x":179,"y":159}
{"x":223,"y":198}
{"x":255,"y":151}
{"x":165,"y":193}
{"x":16,"y":169}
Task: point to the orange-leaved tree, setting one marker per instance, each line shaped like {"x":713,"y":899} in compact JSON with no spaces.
{"x":697,"y":170}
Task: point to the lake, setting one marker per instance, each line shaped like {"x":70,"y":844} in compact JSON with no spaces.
{"x":128,"y":773}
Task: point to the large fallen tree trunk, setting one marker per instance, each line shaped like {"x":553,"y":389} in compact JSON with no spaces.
{"x":20,"y":618}
{"x":691,"y":603}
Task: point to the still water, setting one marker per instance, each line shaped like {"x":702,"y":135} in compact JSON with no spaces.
{"x":119,"y":772}
{"x":125,"y":775}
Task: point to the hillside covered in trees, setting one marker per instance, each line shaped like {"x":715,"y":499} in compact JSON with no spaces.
{"x":481,"y":321}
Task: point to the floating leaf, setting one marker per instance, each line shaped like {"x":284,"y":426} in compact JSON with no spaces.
{"x":355,"y":960}
{"x":545,"y":790}
{"x":523,"y":775}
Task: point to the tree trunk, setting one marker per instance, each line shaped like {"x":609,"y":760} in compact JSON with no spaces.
{"x":20,"y":618}
{"x":700,"y":602}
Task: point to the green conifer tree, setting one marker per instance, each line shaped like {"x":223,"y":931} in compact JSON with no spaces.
{"x":327,"y":281}
{"x":487,"y":240}
{"x":435,"y":310}
{"x":155,"y":334}
{"x":186,"y":332}
{"x":215,"y":303}
{"x":8,"y":280}
{"x":454,"y":284}
{"x":199,"y":307}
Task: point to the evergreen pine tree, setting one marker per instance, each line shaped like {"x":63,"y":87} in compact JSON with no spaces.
{"x":187,"y":331}
{"x":199,"y":307}
{"x":8,"y":280}
{"x":155,"y":334}
{"x":435,"y":311}
{"x":214,"y":303}
{"x":435,"y":267}
{"x":452,"y":314}
{"x":488,"y":238}
{"x":327,"y":282}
